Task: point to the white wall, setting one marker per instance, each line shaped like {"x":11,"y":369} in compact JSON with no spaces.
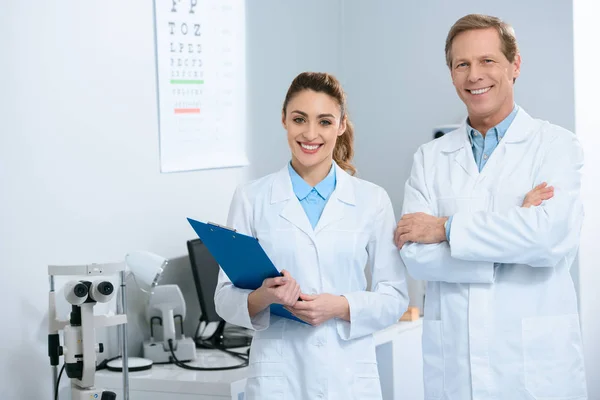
{"x":284,"y":39}
{"x":79,"y":167}
{"x":587,"y":122}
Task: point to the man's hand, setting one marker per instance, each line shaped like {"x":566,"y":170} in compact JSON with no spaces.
{"x":321,"y":308}
{"x":538,"y":194}
{"x":420,"y":228}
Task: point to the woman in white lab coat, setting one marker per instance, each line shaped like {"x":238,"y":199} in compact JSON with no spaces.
{"x":320,"y":226}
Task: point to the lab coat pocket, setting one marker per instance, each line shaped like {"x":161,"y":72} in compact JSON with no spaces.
{"x":366,"y":385}
{"x":360,"y":350}
{"x":553,"y":358}
{"x":433,"y":360}
{"x":265,"y":382}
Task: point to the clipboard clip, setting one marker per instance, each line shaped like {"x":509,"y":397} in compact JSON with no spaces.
{"x":221,"y":226}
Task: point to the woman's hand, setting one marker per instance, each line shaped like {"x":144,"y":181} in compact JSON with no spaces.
{"x":321,"y":308}
{"x":538,"y":194}
{"x":279,"y":290}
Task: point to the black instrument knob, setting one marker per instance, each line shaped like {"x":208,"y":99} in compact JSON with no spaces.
{"x":108,"y":396}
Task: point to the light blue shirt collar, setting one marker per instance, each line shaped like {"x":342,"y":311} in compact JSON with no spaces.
{"x":499,"y":130}
{"x":323,"y":188}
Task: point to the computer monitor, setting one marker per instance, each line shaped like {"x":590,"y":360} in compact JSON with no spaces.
{"x":205,"y":270}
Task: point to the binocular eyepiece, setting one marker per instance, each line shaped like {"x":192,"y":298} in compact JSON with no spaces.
{"x":78,"y":292}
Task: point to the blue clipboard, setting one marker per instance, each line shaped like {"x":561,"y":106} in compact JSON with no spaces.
{"x":241,"y":257}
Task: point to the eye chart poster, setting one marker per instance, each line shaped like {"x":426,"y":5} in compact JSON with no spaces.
{"x":200,"y":69}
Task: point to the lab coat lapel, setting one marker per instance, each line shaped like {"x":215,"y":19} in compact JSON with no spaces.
{"x":342,"y":197}
{"x":292,"y":211}
{"x":459,"y":148}
{"x":507,"y":155}
{"x":464,"y":157}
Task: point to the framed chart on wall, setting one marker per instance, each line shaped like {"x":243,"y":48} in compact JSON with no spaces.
{"x":200,"y":77}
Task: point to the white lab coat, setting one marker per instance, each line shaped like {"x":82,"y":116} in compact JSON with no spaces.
{"x":336,"y":360}
{"x":509,"y":332}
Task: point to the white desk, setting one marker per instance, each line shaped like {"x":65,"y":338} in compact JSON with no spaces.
{"x":398,"y":358}
{"x":400,"y":362}
{"x":166,"y":382}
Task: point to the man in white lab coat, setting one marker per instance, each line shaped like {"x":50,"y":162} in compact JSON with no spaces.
{"x":501,"y":319}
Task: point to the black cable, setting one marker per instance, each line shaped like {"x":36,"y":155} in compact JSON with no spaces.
{"x":207,"y":344}
{"x":58,"y":382}
{"x":103,"y":365}
{"x":152,"y":325}
{"x":180,"y":364}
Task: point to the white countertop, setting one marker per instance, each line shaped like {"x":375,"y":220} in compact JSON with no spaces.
{"x":170,"y":378}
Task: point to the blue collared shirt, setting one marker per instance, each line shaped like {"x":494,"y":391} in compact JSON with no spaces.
{"x":313,"y":199}
{"x":483,"y":147}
